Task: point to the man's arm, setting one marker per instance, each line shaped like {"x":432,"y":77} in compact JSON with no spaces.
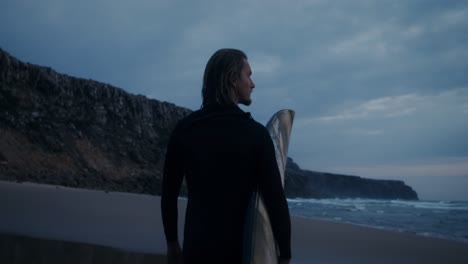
{"x":273,"y":195}
{"x":171,"y":183}
{"x":174,"y":253}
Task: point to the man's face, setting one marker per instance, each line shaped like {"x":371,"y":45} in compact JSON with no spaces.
{"x":243,"y":86}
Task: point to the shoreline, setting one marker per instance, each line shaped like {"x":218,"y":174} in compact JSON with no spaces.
{"x":37,"y":214}
{"x":388,"y":229}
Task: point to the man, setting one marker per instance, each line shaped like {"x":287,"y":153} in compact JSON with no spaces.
{"x":224,"y":155}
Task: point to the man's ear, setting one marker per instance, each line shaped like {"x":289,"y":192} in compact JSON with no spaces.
{"x":233,"y":82}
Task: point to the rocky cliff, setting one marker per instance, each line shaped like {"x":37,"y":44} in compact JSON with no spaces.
{"x":68,"y":131}
{"x":63,"y":130}
{"x":311,"y":184}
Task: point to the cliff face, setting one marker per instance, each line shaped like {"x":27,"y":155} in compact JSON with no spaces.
{"x":63,"y":130}
{"x":310,"y":184}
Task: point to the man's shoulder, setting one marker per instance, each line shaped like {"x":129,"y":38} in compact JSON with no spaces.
{"x":210,"y":113}
{"x":257,"y":125}
{"x":233,"y":114}
{"x":190,"y":116}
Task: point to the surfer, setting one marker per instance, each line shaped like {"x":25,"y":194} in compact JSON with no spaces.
{"x":224,"y":156}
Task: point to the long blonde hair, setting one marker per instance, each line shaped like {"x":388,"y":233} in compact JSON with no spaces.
{"x":224,"y":67}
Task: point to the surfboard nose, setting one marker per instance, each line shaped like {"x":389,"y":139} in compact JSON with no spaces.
{"x":280,"y":126}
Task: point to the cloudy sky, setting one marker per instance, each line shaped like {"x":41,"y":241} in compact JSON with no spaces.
{"x":380,"y":88}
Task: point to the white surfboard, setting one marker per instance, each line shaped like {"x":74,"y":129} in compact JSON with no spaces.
{"x":260,"y":245}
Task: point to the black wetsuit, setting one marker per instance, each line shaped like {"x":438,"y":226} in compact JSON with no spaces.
{"x":224,"y":155}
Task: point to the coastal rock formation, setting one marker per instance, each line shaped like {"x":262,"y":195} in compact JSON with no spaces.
{"x":63,"y":130}
{"x":58,"y":129}
{"x":312,"y":184}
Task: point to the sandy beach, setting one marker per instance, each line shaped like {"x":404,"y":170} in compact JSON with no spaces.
{"x":23,"y":250}
{"x":51,"y":224}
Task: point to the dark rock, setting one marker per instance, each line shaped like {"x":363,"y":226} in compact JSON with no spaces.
{"x":312,"y":184}
{"x":63,"y":130}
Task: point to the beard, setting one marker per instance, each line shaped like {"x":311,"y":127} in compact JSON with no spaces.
{"x":245,"y":101}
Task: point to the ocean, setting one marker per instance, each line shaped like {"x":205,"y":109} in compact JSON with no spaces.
{"x":441,"y":219}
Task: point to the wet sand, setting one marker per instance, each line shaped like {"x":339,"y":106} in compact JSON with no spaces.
{"x":16,"y":249}
{"x":50,"y":224}
{"x":318,"y":241}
